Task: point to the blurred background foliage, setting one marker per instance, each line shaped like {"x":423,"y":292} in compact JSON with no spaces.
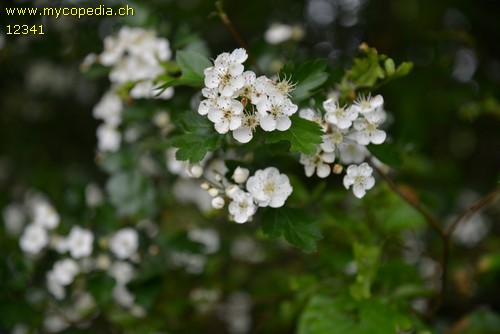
{"x":445,"y":131}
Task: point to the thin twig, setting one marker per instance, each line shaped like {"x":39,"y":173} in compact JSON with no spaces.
{"x":236,"y":35}
{"x":428,"y":217}
{"x":489,"y":199}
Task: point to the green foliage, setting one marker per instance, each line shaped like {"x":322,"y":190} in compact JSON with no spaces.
{"x":199,"y":139}
{"x":303,"y":135}
{"x":296,"y":225}
{"x":367,"y":260}
{"x":308,"y":77}
{"x":342,"y":314}
{"x":192,"y":65}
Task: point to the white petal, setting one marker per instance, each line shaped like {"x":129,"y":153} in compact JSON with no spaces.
{"x":309,"y":169}
{"x":348,"y":181}
{"x":329,"y":157}
{"x":243,"y":134}
{"x":378,"y":136}
{"x":267,"y":123}
{"x":358,"y":190}
{"x":222,"y":126}
{"x":235,"y":123}
{"x":283,"y":123}
{"x":369,"y":182}
{"x":363,"y":138}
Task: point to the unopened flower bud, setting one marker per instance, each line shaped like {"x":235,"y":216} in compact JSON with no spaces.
{"x":205,"y":186}
{"x":218,"y":202}
{"x":240,"y":174}
{"x":218,"y":177}
{"x":337,"y":169}
{"x":232,"y":190}
{"x":213,"y":192}
{"x":195,"y":171}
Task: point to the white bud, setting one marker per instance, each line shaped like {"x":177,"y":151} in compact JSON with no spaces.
{"x":218,"y":202}
{"x":218,"y":177}
{"x":232,"y":190}
{"x":213,"y":192}
{"x":240,"y":174}
{"x":195,"y":171}
{"x":205,"y":186}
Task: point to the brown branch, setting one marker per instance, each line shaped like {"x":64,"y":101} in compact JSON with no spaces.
{"x":428,"y":217}
{"x":489,"y":199}
{"x":234,"y":32}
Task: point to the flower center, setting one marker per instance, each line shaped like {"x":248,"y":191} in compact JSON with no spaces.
{"x":269,"y":188}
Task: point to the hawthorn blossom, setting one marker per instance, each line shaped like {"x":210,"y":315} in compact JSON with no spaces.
{"x":314,"y":116}
{"x":225,"y":75}
{"x":360,"y":177}
{"x":64,"y":271}
{"x":109,"y":109}
{"x":318,"y":162}
{"x":244,"y":133}
{"x":366,"y":104}
{"x":242,"y":207}
{"x":275,"y":112}
{"x":124,"y":243}
{"x":333,"y":140}
{"x":123,"y":272}
{"x":33,"y":239}
{"x":351,"y":152}
{"x":368,"y":132}
{"x":269,"y":187}
{"x":211,"y":95}
{"x":240,"y":175}
{"x":108,"y":138}
{"x":45,"y":215}
{"x":79,"y":242}
{"x":226,"y":115}
{"x":342,"y":117}
{"x":14,"y":219}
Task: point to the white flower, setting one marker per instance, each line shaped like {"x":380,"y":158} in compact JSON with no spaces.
{"x":351,"y":152}
{"x":259,"y":89}
{"x":240,"y":174}
{"x":108,"y":138}
{"x":333,"y":140}
{"x":45,"y":215}
{"x":248,"y":89}
{"x":55,"y":288}
{"x":124,"y":243}
{"x":244,"y":133}
{"x":225,"y":75}
{"x":318,"y":162}
{"x":211,"y":102}
{"x":275,"y":112}
{"x":14,"y":219}
{"x":314,"y":116}
{"x":33,"y":239}
{"x":109,"y":109}
{"x":340,"y":116}
{"x":79,"y":242}
{"x":368,"y":132}
{"x":242,"y":207}
{"x":366,"y":104}
{"x":360,"y":177}
{"x":269,"y":187}
{"x":64,"y":271}
{"x":278,"y":33}
{"x":226,"y":115}
{"x":123,"y":272}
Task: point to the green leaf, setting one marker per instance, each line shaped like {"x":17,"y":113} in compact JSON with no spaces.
{"x":390,"y":67}
{"x":367,"y":258}
{"x":295,"y":225}
{"x":404,"y":68}
{"x":192,"y":65}
{"x":308,"y":77}
{"x":101,"y":288}
{"x":366,"y":71}
{"x":131,"y":193}
{"x":303,"y":135}
{"x":194,"y":146}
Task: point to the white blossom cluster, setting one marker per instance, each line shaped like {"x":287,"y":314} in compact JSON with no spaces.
{"x":347,"y":132}
{"x":135,"y":56}
{"x":35,"y":221}
{"x":267,"y":187}
{"x":237,"y":100}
